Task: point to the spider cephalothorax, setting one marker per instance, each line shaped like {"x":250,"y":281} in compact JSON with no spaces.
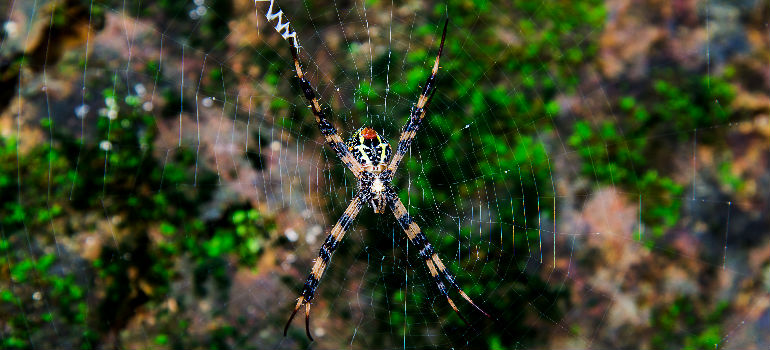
{"x":368,"y":157}
{"x":369,"y":149}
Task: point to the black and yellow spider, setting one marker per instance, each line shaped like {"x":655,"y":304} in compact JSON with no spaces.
{"x":366,"y":154}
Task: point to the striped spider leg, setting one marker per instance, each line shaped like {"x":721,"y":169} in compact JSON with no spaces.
{"x":335,"y":142}
{"x":324,"y":257}
{"x":413,"y":232}
{"x":333,"y":139}
{"x":367,"y":155}
{"x":436,"y":267}
{"x":418,"y":111}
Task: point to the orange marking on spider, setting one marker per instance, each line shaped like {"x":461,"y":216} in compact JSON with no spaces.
{"x":369,"y":133}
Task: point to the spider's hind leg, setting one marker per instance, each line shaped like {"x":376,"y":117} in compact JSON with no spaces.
{"x":300,"y":301}
{"x":307,"y":317}
{"x":437,"y":269}
{"x":322,"y":262}
{"x":442,"y":270}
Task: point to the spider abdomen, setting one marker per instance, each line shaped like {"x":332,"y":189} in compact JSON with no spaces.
{"x":369,"y":149}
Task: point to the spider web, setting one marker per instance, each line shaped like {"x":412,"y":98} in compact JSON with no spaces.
{"x":591,"y":172}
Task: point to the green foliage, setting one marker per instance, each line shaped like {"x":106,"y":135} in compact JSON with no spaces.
{"x":688,"y":324}
{"x":727,"y":177}
{"x":621,"y":151}
{"x":240,"y":235}
{"x":46,"y":200}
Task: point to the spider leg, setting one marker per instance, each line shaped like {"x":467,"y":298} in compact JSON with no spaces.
{"x":327,"y":129}
{"x":418,"y":111}
{"x":435,"y":266}
{"x":322,"y":262}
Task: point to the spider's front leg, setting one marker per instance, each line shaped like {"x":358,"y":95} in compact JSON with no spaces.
{"x":435,"y":265}
{"x":418,"y":111}
{"x":327,"y":129}
{"x":322,"y":262}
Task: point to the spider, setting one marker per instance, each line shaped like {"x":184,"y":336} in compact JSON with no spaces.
{"x":368,"y":156}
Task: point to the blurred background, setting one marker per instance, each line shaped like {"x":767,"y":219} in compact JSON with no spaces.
{"x":594,"y":173}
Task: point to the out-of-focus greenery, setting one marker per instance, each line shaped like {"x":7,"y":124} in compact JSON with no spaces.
{"x":688,"y":323}
{"x":155,"y":236}
{"x":618,"y":152}
{"x":490,"y":123}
